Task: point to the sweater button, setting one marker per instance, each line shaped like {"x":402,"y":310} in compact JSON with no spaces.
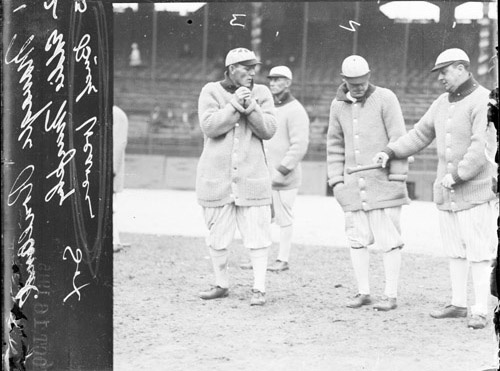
{"x":237,"y":125}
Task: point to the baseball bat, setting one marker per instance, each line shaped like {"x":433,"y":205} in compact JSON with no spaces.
{"x":351,"y":170}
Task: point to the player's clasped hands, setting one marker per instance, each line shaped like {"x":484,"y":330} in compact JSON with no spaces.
{"x":381,"y":158}
{"x":243,"y":95}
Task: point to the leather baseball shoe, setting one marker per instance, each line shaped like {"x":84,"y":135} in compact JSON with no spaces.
{"x":214,"y":293}
{"x":386,"y":304}
{"x":258,"y":298}
{"x":450,"y":311}
{"x":279,"y":266}
{"x":477,"y":322}
{"x":359,"y":301}
{"x":246,"y":265}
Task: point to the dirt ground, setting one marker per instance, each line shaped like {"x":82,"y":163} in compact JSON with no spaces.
{"x":161,"y":324}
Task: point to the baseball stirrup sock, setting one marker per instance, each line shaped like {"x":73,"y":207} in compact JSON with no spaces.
{"x":392,"y":266}
{"x":481,"y":279}
{"x":459,"y":269}
{"x":361,"y":263}
{"x":259,"y":264}
{"x":285,"y":243}
{"x":219,"y":262}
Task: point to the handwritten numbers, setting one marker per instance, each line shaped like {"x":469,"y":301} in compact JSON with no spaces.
{"x":52,"y":4}
{"x":77,"y":258}
{"x":351,"y":26}
{"x":235,"y":18}
{"x":80,"y":6}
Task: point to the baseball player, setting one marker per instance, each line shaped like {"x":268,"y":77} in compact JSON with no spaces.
{"x":233,"y":184}
{"x":457,"y":119}
{"x":285,"y":150}
{"x":120,"y":134}
{"x":364,"y":118}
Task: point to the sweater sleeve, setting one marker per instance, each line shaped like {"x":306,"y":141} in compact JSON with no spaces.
{"x":335,"y":148}
{"x":475,"y":158}
{"x":298,"y":131}
{"x":395,"y":127}
{"x":422,"y":134}
{"x":214,"y":119}
{"x":261,"y":116}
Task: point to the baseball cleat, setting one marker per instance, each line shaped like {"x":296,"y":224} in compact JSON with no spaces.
{"x":386,"y":304}
{"x":214,"y":293}
{"x":477,"y":322}
{"x":279,"y":266}
{"x":450,"y":311}
{"x":359,"y":301}
{"x":258,"y":298}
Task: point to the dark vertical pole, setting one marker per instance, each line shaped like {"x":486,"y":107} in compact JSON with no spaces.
{"x":405,"y":55}
{"x":355,"y":33}
{"x":205,"y":41}
{"x":154,"y":43}
{"x":304,"y":52}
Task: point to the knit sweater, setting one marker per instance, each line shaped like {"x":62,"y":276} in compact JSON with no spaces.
{"x":458,"y":122}
{"x":356,"y":132}
{"x":289,"y":144}
{"x":232,"y":166}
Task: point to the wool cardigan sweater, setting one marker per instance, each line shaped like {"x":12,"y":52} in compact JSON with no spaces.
{"x":458,"y":122}
{"x":356,"y":132}
{"x":289,"y":144}
{"x":232,"y":166}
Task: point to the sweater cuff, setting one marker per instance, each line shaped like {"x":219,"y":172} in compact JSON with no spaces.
{"x":283,"y":170}
{"x":238,"y":107}
{"x":389,"y":153}
{"x":250,"y":108}
{"x":456,"y":178}
{"x":333,"y":181}
{"x":398,"y":177}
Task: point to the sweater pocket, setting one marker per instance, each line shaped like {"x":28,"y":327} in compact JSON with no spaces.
{"x":476,"y":191}
{"x":386,"y":190}
{"x":211,"y":189}
{"x":258,"y":188}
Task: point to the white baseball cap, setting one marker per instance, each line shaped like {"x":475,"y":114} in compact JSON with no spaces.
{"x":450,"y":56}
{"x":242,"y":56}
{"x":280,"y":71}
{"x":355,"y":69}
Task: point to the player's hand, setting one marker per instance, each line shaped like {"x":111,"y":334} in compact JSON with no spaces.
{"x":242,"y":94}
{"x":447,"y":181}
{"x":381,"y":158}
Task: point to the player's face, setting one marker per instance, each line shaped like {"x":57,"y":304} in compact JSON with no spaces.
{"x":450,"y":77}
{"x":242,"y":75}
{"x":278,"y":85}
{"x":357,"y":90}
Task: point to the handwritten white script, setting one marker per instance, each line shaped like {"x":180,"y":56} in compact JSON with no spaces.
{"x":88,"y":162}
{"x":77,"y":258}
{"x":83,"y":51}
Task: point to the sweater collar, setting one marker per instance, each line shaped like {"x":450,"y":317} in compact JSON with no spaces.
{"x":283,"y":98}
{"x":229,"y":85}
{"x":342,"y":93}
{"x":463,"y":90}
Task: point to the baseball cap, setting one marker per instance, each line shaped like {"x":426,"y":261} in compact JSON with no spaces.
{"x":450,"y":56}
{"x":355,"y":69}
{"x":280,"y":71}
{"x":242,"y":56}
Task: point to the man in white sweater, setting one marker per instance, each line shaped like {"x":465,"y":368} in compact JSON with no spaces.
{"x":285,"y":151}
{"x":463,"y":193}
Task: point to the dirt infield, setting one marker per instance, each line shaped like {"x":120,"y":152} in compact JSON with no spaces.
{"x":161,"y":324}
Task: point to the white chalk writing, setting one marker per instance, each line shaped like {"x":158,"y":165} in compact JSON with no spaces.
{"x":351,"y":26}
{"x":80,"y":6}
{"x":77,"y":258}
{"x":59,"y":125}
{"x":235,"y":18}
{"x":26,"y":64}
{"x":83,"y":51}
{"x":87,"y":148}
{"x":22,"y":185}
{"x":56,"y":39}
{"x":52,"y":4}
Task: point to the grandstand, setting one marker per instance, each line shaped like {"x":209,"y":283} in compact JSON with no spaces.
{"x":175,"y":66}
